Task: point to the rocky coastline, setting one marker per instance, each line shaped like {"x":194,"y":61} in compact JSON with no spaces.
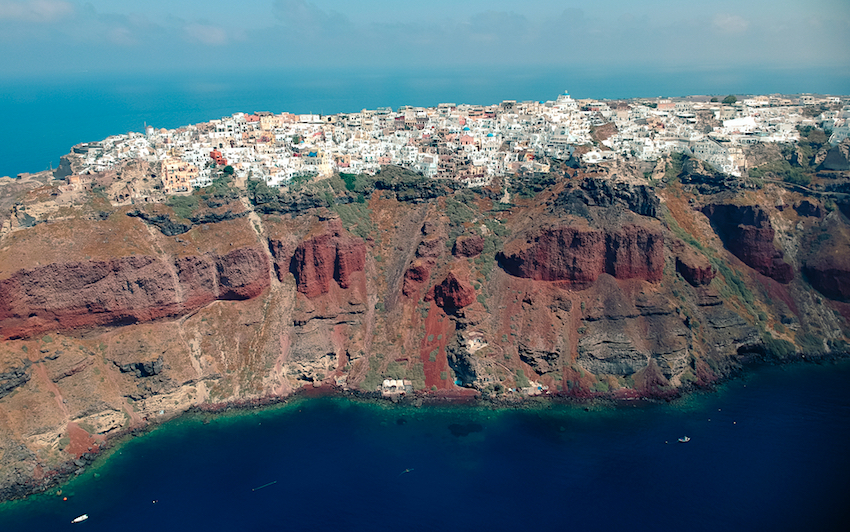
{"x":54,"y":478}
{"x":593,"y":285}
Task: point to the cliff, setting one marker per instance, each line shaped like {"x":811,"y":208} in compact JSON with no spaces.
{"x":116,"y":316}
{"x":579,"y":255}
{"x":126,"y":290}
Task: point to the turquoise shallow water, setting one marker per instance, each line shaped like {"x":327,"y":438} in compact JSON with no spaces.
{"x":768,"y":451}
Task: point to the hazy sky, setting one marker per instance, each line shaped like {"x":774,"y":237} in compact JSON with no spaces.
{"x":52,"y":36}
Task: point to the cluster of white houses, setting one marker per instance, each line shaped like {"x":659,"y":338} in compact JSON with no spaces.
{"x":470,"y":143}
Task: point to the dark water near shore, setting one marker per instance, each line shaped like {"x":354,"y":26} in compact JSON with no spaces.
{"x":44,"y":117}
{"x":768,"y":452}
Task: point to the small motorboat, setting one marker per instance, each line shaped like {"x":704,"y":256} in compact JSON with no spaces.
{"x":80,"y":519}
{"x":684,"y":439}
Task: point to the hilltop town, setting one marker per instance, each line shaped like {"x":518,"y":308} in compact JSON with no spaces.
{"x":468,"y":143}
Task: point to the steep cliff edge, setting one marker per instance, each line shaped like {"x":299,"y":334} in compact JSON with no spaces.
{"x":747,"y":232}
{"x":327,"y":257}
{"x":579,"y":255}
{"x":596,"y":286}
{"x":126,"y":290}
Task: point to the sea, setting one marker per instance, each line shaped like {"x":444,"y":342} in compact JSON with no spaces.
{"x":43,"y":116}
{"x":768,"y":451}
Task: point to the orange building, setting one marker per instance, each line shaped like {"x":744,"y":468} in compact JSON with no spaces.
{"x":216,"y":156}
{"x":177,"y":175}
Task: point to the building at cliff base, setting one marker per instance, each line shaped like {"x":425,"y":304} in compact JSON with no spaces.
{"x":392,"y":388}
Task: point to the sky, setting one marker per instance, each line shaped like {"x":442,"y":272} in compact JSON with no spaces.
{"x":48,"y":37}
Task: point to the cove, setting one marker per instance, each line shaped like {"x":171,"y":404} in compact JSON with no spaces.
{"x":767,"y":451}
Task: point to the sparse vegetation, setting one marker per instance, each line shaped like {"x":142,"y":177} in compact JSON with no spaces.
{"x":521,"y":380}
{"x":781,"y":170}
{"x":184,"y":206}
{"x":776,"y":347}
{"x":356,"y":217}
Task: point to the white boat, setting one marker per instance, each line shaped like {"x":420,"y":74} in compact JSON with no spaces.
{"x":80,"y":519}
{"x":684,"y":440}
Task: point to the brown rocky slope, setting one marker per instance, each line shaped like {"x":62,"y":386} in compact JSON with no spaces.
{"x":112,"y":320}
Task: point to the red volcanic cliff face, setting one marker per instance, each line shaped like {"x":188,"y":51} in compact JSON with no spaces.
{"x":828,"y":266}
{"x":125,"y":290}
{"x":453,"y":293}
{"x":468,"y":246}
{"x":694,"y":267}
{"x":327,"y":256}
{"x":829,"y":277}
{"x":416,"y":276}
{"x":748,"y":234}
{"x":579,"y":255}
{"x":697,"y":272}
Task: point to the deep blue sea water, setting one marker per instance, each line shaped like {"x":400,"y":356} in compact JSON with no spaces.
{"x":43,"y":117}
{"x":768,"y":451}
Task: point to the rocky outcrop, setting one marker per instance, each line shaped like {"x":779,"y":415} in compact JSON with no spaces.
{"x":468,"y":246}
{"x":623,"y":334}
{"x":695,"y":270}
{"x":579,"y":255}
{"x":13,"y":378}
{"x":607,"y":193}
{"x":326,"y":257}
{"x":693,"y":266}
{"x":143,"y":369}
{"x":453,"y":293}
{"x":471,"y":370}
{"x":827,"y":268}
{"x":837,"y":159}
{"x":808,"y":208}
{"x":417,"y":276}
{"x":163,"y":222}
{"x":539,"y":357}
{"x":125,"y":290}
{"x":830,"y":276}
{"x":431,"y":248}
{"x":291,"y":204}
{"x":413,"y":188}
{"x":747,"y":232}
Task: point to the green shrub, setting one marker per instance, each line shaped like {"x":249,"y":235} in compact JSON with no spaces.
{"x":356,"y":217}
{"x":521,"y":380}
{"x":184,"y":206}
{"x":458,"y":213}
{"x":600,"y":386}
{"x":777,"y":348}
{"x":809,"y":343}
{"x":781,"y":169}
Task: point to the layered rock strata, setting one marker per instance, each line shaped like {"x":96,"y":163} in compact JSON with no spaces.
{"x":579,"y":255}
{"x":747,"y":232}
{"x":125,"y":290}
